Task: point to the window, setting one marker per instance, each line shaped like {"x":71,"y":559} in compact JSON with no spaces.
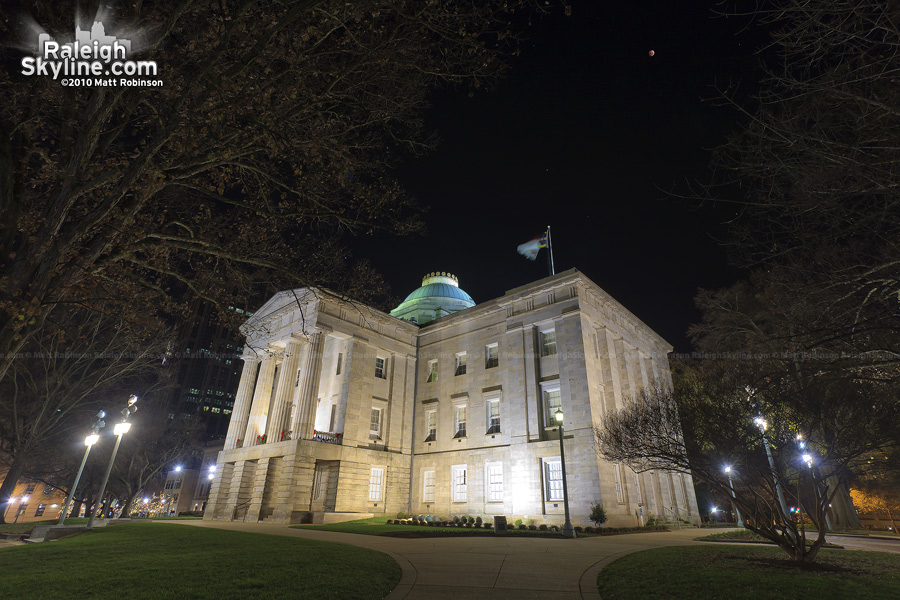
{"x":375,"y":424}
{"x":460,"y":364}
{"x":491,"y":356}
{"x":494,"y":474}
{"x":376,"y":484}
{"x":552,"y":403}
{"x":553,"y":483}
{"x":340,"y":359}
{"x":431,"y":425}
{"x":459,"y":483}
{"x":493,"y":415}
{"x":39,"y":512}
{"x":637,"y":487}
{"x":459,"y":418}
{"x":432,"y":371}
{"x":428,"y":486}
{"x":620,"y":493}
{"x":548,"y":342}
{"x":332,"y":418}
{"x":379,"y":368}
{"x":29,"y":489}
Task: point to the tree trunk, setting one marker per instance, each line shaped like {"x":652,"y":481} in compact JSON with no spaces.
{"x":9,"y":484}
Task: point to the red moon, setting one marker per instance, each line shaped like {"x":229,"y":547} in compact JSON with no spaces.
{"x":651,"y":53}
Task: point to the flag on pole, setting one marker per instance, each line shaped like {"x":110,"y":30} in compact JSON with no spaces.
{"x":531,"y":248}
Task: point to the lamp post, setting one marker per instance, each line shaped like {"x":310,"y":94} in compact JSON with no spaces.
{"x":567,"y":529}
{"x":119,"y":430}
{"x":89,"y":442}
{"x":763,"y":425}
{"x":737,"y":511}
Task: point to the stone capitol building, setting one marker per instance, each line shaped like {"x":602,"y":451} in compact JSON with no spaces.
{"x":443,"y":407}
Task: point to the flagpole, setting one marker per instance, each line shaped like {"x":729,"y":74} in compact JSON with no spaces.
{"x":550,"y":254}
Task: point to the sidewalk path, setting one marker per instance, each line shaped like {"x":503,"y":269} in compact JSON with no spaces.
{"x":499,"y":568}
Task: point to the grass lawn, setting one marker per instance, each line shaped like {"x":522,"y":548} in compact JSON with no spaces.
{"x":158,"y":561}
{"x":27,"y":527}
{"x":738,"y":572}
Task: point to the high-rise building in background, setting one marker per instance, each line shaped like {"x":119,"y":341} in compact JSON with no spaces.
{"x":207,"y":355}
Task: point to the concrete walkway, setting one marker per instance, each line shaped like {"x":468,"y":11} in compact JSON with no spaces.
{"x":499,"y":568}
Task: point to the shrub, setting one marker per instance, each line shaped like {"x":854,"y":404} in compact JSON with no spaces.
{"x":532,"y":528}
{"x":517,"y":522}
{"x":521,"y":527}
{"x":589,"y":529}
{"x":578,"y":529}
{"x":401,"y":515}
{"x":598,"y":514}
{"x":554,"y":528}
{"x":478,"y":521}
{"x":542,"y":527}
{"x":390,"y":521}
{"x":456,"y":519}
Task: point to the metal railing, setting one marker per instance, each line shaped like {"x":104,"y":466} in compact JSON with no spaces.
{"x":328,"y":437}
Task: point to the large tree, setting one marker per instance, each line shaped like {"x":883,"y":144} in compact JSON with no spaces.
{"x":73,"y":365}
{"x":816,"y":162}
{"x":271,"y":136}
{"x":710,"y":421}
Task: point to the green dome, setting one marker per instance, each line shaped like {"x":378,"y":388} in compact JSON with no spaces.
{"x":438,"y":296}
{"x":440,"y":290}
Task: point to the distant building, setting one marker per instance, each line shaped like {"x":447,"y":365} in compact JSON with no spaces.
{"x":33,"y":501}
{"x":344,"y":411}
{"x":208,"y":362}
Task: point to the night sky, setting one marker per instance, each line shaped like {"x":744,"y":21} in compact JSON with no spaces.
{"x":590,"y":135}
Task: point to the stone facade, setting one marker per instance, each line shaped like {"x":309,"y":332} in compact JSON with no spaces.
{"x":344,"y":411}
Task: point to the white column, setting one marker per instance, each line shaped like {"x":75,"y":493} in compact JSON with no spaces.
{"x":261,"y":397}
{"x":305,"y":417}
{"x":241,"y":409}
{"x":279,"y":412}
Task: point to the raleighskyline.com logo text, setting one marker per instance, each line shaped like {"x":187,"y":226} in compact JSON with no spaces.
{"x":92,"y":59}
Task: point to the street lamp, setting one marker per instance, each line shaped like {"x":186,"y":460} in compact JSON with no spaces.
{"x":567,"y":529}
{"x":737,"y":511}
{"x":119,"y":430}
{"x":807,"y":459}
{"x":763,"y":425}
{"x":89,"y":442}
